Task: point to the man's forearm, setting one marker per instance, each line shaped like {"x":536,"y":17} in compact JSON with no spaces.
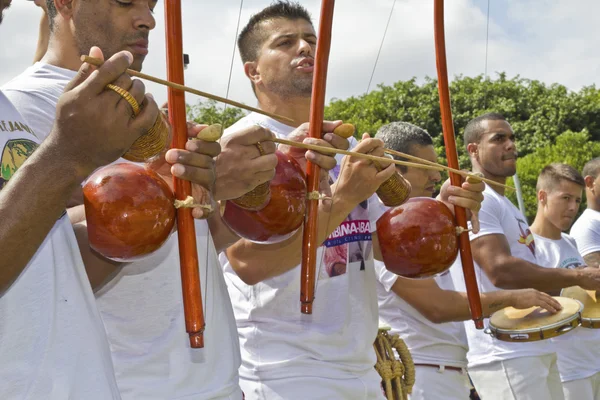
{"x":99,"y":269}
{"x":30,"y":204}
{"x":222,"y":236}
{"x":493,"y":301}
{"x":516,"y":273}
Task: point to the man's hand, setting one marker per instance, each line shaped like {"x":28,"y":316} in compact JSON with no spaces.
{"x":592,"y":259}
{"x":589,"y":278}
{"x":525,"y":298}
{"x":94,"y":125}
{"x":194,"y":163}
{"x":360,"y":178}
{"x":326,"y":161}
{"x":468,"y":196}
{"x":240,"y":166}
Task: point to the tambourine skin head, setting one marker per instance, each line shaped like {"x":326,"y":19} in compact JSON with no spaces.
{"x":418,"y":238}
{"x":282,"y":216}
{"x":535,"y":323}
{"x":129,"y":211}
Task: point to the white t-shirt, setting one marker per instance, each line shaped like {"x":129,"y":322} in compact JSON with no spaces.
{"x":498,"y":216}
{"x":142,"y":306}
{"x":52,"y":342}
{"x":586,"y":232}
{"x":428,"y":342}
{"x":336,"y":340}
{"x":578,"y":351}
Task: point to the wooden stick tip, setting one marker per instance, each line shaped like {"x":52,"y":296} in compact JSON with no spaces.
{"x":306,"y":308}
{"x":197,"y":340}
{"x":345,"y":130}
{"x":474,"y":177}
{"x":211,"y":133}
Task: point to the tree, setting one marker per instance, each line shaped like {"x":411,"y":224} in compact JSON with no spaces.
{"x":210,"y":112}
{"x":537,"y":112}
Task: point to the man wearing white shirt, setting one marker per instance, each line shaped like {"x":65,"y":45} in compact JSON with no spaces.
{"x":426,"y":312}
{"x":504,"y":253}
{"x":52,"y":341}
{"x":141,"y":303}
{"x":586,"y":230}
{"x":559,"y":190}
{"x":328,"y":354}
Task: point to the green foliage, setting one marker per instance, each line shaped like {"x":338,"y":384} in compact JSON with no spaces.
{"x":537,"y":112}
{"x":210,"y":112}
{"x":573,"y":148}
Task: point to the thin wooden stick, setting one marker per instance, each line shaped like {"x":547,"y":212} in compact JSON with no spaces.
{"x":414,"y":158}
{"x":98,"y":63}
{"x":433,"y":167}
{"x":445,"y":168}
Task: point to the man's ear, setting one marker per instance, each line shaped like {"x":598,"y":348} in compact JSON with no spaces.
{"x":542,"y":196}
{"x":252,"y":72}
{"x":472,"y":149}
{"x":589,"y":181}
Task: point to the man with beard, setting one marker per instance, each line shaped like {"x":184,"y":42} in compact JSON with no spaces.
{"x":52,"y":342}
{"x":425,"y":312}
{"x":140,"y":303}
{"x":559,"y":191}
{"x":504,"y":250}
{"x":328,"y":354}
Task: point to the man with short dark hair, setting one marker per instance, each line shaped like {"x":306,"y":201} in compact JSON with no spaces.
{"x":328,"y":354}
{"x":52,"y":341}
{"x":559,"y":192}
{"x":504,"y":250}
{"x":586,"y":230}
{"x":425,"y":312}
{"x":285,"y":354}
{"x":475,"y":127}
{"x":255,"y":32}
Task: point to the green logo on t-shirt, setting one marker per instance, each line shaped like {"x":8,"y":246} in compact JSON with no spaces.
{"x":14,"y":154}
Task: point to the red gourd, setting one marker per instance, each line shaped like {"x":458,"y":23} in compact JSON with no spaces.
{"x":418,"y":239}
{"x":284,"y":212}
{"x":129,"y":211}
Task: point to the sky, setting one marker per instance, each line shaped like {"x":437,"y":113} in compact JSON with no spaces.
{"x":554,"y":41}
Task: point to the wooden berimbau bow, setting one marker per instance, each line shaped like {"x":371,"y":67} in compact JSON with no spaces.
{"x":317,"y":105}
{"x":188,"y":255}
{"x":451,"y":154}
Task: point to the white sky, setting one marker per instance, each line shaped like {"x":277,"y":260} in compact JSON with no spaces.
{"x":554,"y":41}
